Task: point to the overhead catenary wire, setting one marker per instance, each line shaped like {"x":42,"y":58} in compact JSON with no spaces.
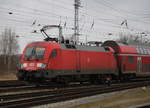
{"x":100,"y":19}
{"x":123,"y":13}
{"x":26,"y":12}
{"x":106,"y":19}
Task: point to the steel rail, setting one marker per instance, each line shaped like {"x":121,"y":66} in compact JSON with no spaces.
{"x":67,"y":94}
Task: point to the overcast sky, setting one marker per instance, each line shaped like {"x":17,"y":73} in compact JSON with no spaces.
{"x":97,"y":18}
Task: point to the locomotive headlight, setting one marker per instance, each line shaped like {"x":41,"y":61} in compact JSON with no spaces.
{"x":23,"y":65}
{"x":41,"y":65}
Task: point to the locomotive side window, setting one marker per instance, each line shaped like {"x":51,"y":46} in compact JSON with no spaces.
{"x":131,"y":59}
{"x":53,"y":54}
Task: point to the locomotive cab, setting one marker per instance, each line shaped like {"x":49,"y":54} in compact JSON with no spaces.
{"x":35,"y":60}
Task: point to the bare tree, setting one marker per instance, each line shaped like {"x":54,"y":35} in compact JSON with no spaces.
{"x":130,"y":39}
{"x":8,"y":46}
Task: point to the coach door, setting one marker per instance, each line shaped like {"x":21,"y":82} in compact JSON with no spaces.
{"x":78,"y":65}
{"x":139,"y":64}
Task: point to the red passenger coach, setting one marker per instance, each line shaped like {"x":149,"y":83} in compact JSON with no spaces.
{"x":132,"y":60}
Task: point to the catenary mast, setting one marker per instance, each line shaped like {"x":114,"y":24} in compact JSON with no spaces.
{"x":76,"y":21}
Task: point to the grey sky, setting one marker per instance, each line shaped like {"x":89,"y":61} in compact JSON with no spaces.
{"x":107,"y":15}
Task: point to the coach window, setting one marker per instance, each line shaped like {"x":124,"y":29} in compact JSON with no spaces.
{"x":145,"y":51}
{"x":141,"y":50}
{"x":148,"y":51}
{"x":138,"y":50}
{"x":53,"y":54}
{"x":131,"y":59}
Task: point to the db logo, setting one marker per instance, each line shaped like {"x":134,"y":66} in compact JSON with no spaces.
{"x":32,"y":64}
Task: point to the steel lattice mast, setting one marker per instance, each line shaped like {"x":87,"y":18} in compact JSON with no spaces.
{"x":76,"y":21}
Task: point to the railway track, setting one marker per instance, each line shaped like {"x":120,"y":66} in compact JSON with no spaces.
{"x":34,"y":87}
{"x":11,"y":83}
{"x":32,"y":98}
{"x":23,"y":88}
{"x":15,"y":85}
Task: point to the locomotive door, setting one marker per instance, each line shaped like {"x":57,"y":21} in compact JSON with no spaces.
{"x":78,"y":65}
{"x":53,"y":58}
{"x":139,"y":64}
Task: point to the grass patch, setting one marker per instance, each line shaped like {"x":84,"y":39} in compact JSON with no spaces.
{"x":121,"y":99}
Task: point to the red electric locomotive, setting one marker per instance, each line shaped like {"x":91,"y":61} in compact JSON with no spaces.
{"x":61,"y":62}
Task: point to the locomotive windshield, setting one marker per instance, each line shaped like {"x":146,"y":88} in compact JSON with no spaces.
{"x":34,"y":53}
